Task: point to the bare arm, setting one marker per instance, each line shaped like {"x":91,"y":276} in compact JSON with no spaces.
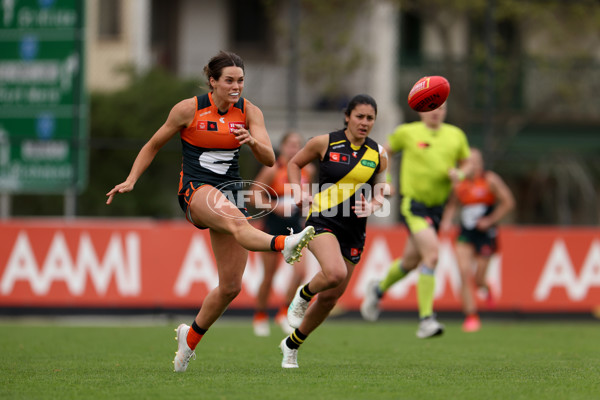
{"x":256,"y":136}
{"x":181,"y":114}
{"x":464,"y":169}
{"x":382,"y":187}
{"x":364,"y":208}
{"x":449,"y":213}
{"x":314,"y":149}
{"x":506,"y":201}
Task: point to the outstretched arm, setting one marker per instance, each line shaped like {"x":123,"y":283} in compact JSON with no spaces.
{"x":181,"y":114}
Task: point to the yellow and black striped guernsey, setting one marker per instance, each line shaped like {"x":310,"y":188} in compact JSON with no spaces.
{"x":345,"y":172}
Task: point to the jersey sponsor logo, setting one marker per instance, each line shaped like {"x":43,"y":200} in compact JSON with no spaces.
{"x":368,"y":163}
{"x":204,"y":113}
{"x":207,"y":126}
{"x":222,"y":120}
{"x":355,"y":252}
{"x":337,"y":146}
{"x":339,"y":157}
{"x":235,"y":126}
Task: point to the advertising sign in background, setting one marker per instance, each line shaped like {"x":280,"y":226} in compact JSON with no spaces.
{"x":42,"y":103}
{"x":161,"y":265}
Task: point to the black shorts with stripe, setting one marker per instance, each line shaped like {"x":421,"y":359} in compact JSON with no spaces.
{"x":484,"y":242}
{"x":351,"y":247}
{"x":187,"y":192}
{"x":418,"y":216}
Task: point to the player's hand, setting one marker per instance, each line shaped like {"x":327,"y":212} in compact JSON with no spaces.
{"x":484,"y":223}
{"x":303,"y":200}
{"x":446,"y":226}
{"x":243,"y":136}
{"x":120,"y":188}
{"x":362,"y":208}
{"x":456,"y":175}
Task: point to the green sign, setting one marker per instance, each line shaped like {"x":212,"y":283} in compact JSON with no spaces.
{"x":43,"y":107}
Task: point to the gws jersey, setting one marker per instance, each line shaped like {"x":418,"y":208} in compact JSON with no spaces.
{"x":210,"y":149}
{"x":477,"y":200}
{"x":344,"y":173}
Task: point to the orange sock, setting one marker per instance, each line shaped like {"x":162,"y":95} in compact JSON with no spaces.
{"x":260,"y":316}
{"x":193,"y":337}
{"x":279,"y":242}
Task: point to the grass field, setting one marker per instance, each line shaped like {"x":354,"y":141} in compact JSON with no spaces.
{"x":343,"y":359}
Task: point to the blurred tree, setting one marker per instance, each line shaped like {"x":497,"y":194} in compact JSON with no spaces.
{"x":330,"y":45}
{"x":525,"y":93}
{"x":121,"y":122}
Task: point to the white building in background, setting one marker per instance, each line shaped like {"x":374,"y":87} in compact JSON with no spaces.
{"x":182,"y":35}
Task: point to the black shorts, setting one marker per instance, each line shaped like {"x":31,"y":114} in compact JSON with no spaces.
{"x":417,"y":216}
{"x":485,"y":242}
{"x":278,"y":225}
{"x":351,"y":248}
{"x":185,"y":198}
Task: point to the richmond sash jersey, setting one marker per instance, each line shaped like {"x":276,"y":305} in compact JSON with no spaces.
{"x":345,"y":172}
{"x":210,"y":149}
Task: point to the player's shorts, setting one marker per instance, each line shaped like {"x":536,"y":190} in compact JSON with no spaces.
{"x":278,"y":225}
{"x":417,"y":216}
{"x":351,"y":249}
{"x":485,"y":242}
{"x":185,"y":198}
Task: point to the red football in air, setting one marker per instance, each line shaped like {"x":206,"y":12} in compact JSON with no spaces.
{"x":428,"y":93}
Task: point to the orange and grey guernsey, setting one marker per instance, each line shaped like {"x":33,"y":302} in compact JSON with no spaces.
{"x":345,"y":172}
{"x":475,"y":191}
{"x":477,"y":199}
{"x":210,"y":149}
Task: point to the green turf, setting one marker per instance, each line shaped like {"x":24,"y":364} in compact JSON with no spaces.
{"x":341,"y":360}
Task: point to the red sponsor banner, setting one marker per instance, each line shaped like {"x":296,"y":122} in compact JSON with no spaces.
{"x":147,"y":264}
{"x":234,"y":126}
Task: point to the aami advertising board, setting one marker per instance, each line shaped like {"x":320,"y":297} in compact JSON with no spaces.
{"x":148,"y":264}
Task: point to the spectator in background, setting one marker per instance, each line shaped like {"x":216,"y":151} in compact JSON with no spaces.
{"x":213,"y":127}
{"x":484,"y":199}
{"x":435,"y":156}
{"x":285,"y":215}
